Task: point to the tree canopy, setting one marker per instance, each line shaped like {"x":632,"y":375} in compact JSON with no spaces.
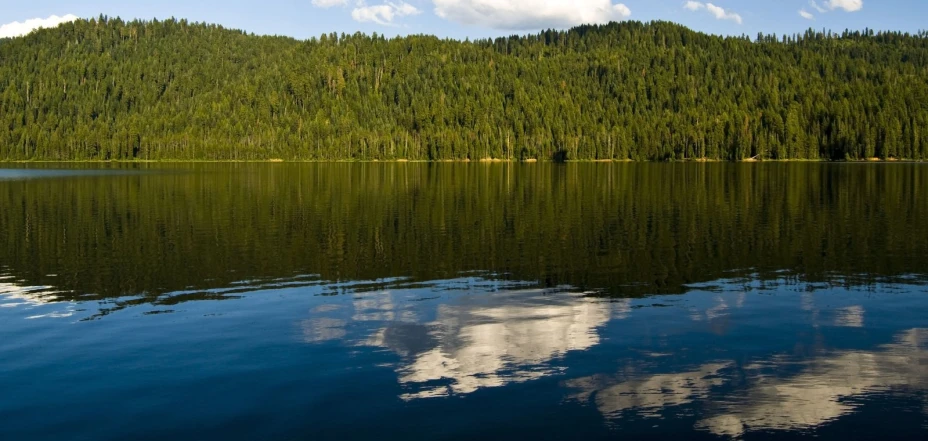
{"x":109,"y":89}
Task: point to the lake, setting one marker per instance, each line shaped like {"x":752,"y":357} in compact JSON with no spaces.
{"x":403,"y":301}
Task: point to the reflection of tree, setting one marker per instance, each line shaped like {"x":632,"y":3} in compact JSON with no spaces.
{"x":626,"y":230}
{"x":817,"y":395}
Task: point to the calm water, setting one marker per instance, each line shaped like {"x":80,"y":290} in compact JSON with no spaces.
{"x":464,"y":301}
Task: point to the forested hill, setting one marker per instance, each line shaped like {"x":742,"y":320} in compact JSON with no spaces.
{"x":108,"y":89}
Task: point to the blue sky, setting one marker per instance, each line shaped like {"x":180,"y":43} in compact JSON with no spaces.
{"x":483,"y":18}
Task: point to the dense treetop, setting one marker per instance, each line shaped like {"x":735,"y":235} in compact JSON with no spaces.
{"x":108,"y":89}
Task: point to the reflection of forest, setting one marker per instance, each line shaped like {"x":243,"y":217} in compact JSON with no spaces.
{"x":818,"y":394}
{"x":625,"y":229}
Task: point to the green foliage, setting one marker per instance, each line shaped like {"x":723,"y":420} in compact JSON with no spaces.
{"x":107,"y":89}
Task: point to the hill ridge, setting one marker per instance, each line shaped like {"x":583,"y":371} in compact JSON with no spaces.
{"x":109,"y":89}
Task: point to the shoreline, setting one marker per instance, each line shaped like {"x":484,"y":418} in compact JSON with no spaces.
{"x":445,"y":161}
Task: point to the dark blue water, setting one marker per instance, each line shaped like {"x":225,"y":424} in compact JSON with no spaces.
{"x":131,"y":309}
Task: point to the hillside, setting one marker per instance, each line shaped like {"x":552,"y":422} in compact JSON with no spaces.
{"x":108,"y":89}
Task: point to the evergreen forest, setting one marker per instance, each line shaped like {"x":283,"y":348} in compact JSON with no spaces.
{"x":107,"y":89}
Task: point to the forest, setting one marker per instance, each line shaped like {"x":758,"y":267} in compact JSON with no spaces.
{"x":107,"y":89}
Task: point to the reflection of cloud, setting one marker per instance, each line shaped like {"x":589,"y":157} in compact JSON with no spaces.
{"x":724,"y":425}
{"x":817,"y":395}
{"x":720,"y":310}
{"x":326,"y":308}
{"x":717,"y":311}
{"x":621,"y":309}
{"x":14,"y":295}
{"x":323,"y":329}
{"x":375,"y":307}
{"x":472,"y":346}
{"x":56,"y":314}
{"x":850,"y":317}
{"x":406,"y":339}
{"x":649,"y":394}
{"x":381,"y":307}
{"x":807,"y":301}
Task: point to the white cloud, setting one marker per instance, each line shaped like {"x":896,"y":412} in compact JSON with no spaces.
{"x":382,"y":14}
{"x":806,"y":14}
{"x":329,"y":3}
{"x":694,"y":6}
{"x":17,"y":29}
{"x":831,"y":5}
{"x":847,"y":5}
{"x":530,"y":14}
{"x":722,"y":14}
{"x":717,"y":11}
{"x":622,"y":10}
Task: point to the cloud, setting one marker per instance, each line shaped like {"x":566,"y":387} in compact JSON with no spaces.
{"x":806,"y":14}
{"x":694,"y":6}
{"x":847,"y":5}
{"x":622,"y":10}
{"x":717,"y":11}
{"x":817,"y":7}
{"x":329,"y":3}
{"x":530,"y":14}
{"x":831,"y":5}
{"x":17,"y":29}
{"x":382,"y":14}
{"x":722,"y":14}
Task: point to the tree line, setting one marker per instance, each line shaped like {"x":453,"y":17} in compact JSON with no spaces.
{"x":107,"y":89}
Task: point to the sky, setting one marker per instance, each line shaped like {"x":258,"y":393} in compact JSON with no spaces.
{"x":480,"y":18}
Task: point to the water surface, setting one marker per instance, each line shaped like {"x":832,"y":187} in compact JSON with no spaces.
{"x":457,"y":301}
